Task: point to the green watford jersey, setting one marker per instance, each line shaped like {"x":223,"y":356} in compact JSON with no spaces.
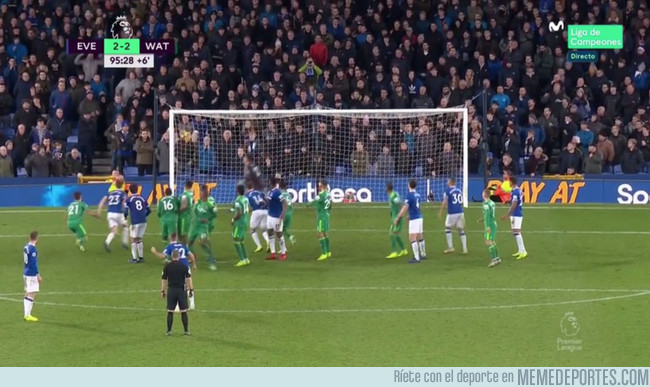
{"x":489,"y":215}
{"x":204,"y":212}
{"x":241,"y":204}
{"x":395,"y":203}
{"x":168,"y":208}
{"x":189,"y":197}
{"x":287,"y":198}
{"x":76,"y":211}
{"x":323,"y":204}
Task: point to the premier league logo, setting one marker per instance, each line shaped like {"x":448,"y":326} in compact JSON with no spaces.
{"x":121,"y":28}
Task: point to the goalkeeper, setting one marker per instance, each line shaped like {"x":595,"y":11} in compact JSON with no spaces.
{"x":396,"y":242}
{"x":490,"y":223}
{"x":286,"y":227}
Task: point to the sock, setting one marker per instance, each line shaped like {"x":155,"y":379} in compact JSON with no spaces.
{"x":496,"y":251}
{"x":416,"y":250}
{"x":140,"y":250}
{"x":186,"y":323}
{"x":323,"y":249}
{"x":256,"y":239}
{"x":327,"y":244}
{"x":242,"y":247}
{"x":520,"y":243}
{"x":82,"y":241}
{"x":265,"y":235}
{"x":450,"y":243}
{"x":125,"y":236}
{"x":109,"y":237}
{"x":393,"y":244}
{"x":283,"y":245}
{"x":491,"y":252}
{"x":134,"y":250}
{"x":463,"y":239}
{"x":170,"y":321}
{"x":272,"y":243}
{"x":27,"y":304}
{"x":423,"y":251}
{"x":207,"y":249}
{"x":238,"y":250}
{"x":400,"y":243}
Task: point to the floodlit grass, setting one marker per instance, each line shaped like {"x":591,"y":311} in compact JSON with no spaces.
{"x":356,"y":309}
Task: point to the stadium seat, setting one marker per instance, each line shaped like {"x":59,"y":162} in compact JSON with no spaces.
{"x":340,"y":170}
{"x":419,"y":171}
{"x":131,"y":171}
{"x":74,"y":131}
{"x":71,"y":143}
{"x":21,"y":172}
{"x":8,"y":133}
{"x":617,"y":169}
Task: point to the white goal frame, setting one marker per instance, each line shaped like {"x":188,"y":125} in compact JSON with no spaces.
{"x":257,"y":114}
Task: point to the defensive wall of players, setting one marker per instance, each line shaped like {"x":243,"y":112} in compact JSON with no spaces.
{"x":622,"y":189}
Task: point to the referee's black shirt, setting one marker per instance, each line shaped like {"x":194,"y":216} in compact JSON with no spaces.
{"x":175,"y":273}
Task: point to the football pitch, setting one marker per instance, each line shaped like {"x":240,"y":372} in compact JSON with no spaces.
{"x":580,"y":298}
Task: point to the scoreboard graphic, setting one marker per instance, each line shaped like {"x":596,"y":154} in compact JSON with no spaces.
{"x":122,"y":50}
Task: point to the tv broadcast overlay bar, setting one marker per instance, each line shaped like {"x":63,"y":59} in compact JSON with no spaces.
{"x":595,"y":37}
{"x":582,"y":56}
{"x":157,"y":47}
{"x":143,"y":61}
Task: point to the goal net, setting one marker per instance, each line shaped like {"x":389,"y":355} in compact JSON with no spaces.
{"x":356,"y":151}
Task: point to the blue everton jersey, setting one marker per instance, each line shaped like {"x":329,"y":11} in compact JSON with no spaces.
{"x":454,"y":198}
{"x":518,"y":198}
{"x":182,"y":252}
{"x":116,"y":201}
{"x":30,"y":257}
{"x":413,"y":202}
{"x":256,"y":200}
{"x":275,"y":203}
{"x":138,"y":209}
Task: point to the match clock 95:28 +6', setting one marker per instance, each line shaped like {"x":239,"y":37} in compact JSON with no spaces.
{"x":129,"y":61}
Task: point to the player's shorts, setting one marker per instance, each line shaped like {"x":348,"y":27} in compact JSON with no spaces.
{"x":167,"y":228}
{"x":176,"y":297}
{"x":415,"y":226}
{"x":396,"y":228}
{"x":455,"y":220}
{"x":259,"y":219}
{"x":184,"y":226}
{"x":274,"y":224}
{"x":31,"y":284}
{"x":199,"y":231}
{"x":138,"y":230}
{"x":492,"y":234}
{"x":323,"y":224}
{"x":515,"y":222}
{"x":78,"y":230}
{"x":239,"y":231}
{"x":115,"y":220}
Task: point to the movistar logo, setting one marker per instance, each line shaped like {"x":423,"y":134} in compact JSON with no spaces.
{"x":555,"y":27}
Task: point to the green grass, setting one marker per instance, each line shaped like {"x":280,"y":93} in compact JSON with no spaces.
{"x":356,"y":309}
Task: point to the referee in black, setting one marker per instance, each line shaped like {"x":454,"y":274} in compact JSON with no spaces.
{"x":175,"y":277}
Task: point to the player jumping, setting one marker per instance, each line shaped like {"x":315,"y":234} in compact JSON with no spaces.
{"x":289,"y":215}
{"x":185,"y":212}
{"x":412,"y":206}
{"x":76,"y":212}
{"x":239,"y":223}
{"x":203,"y":212}
{"x":185,"y":256}
{"x":139,"y":210}
{"x":274,"y":223}
{"x":396,"y":242}
{"x":516,"y":215}
{"x":115,"y":214}
{"x":453,"y":200}
{"x":168,"y":213}
{"x":31,"y":276}
{"x":323,"y":204}
{"x":259,"y":215}
{"x":490,"y":223}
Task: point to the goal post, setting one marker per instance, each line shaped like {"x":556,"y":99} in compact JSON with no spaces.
{"x":356,"y":151}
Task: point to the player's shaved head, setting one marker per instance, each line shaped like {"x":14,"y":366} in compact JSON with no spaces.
{"x":241,"y":189}
{"x":175,"y":255}
{"x":189,"y":184}
{"x":33,"y":236}
{"x":134,"y":189}
{"x":168,"y":191}
{"x":452,"y":181}
{"x":413,"y":183}
{"x":389,"y":186}
{"x":173,"y":236}
{"x":486,"y":193}
{"x":77,"y":195}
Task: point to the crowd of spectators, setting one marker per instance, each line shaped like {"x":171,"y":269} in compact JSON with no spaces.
{"x":542,"y":113}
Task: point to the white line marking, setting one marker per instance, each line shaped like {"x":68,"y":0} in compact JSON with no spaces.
{"x":368,"y":230}
{"x":350,"y":288}
{"x":373,"y":310}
